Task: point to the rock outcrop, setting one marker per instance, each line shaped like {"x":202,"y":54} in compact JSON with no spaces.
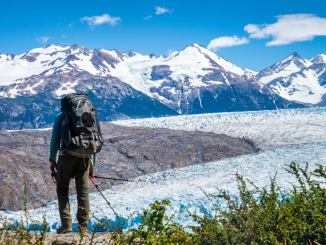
{"x":127,"y":153}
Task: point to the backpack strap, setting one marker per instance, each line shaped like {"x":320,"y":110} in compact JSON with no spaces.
{"x":59,"y":143}
{"x":78,"y":104}
{"x":94,"y":141}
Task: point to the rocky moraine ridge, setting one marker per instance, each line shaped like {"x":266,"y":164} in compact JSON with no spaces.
{"x":127,"y":153}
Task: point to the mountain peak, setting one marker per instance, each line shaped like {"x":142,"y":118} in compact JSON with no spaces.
{"x":152,"y":55}
{"x":293,"y":63}
{"x":294,"y":57}
{"x":53,"y":45}
{"x":74,"y":46}
{"x":318,"y":59}
{"x":48,"y":49}
{"x":194,"y":45}
{"x":295,"y":54}
{"x":290,"y":57}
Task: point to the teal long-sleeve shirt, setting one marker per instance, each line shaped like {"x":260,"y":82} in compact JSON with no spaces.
{"x":55,"y":138}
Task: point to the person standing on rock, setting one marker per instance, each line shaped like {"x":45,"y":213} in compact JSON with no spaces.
{"x":78,"y":128}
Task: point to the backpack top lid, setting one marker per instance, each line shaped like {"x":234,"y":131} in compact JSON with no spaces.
{"x":69,"y":101}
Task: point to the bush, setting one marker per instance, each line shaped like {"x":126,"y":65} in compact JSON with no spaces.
{"x":21,"y":233}
{"x":155,"y":228}
{"x":257,"y":216}
{"x":260,"y":216}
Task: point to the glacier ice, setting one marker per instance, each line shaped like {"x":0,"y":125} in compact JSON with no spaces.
{"x":267,"y":129}
{"x":184,"y":186}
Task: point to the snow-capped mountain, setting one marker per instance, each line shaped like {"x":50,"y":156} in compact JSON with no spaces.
{"x":293,"y":63}
{"x":297,"y":79}
{"x":306,"y":85}
{"x":37,"y":100}
{"x":180,"y":78}
{"x":193,"y":63}
{"x":189,"y":68}
{"x":194,"y":80}
{"x":14,"y":68}
{"x":321,"y":58}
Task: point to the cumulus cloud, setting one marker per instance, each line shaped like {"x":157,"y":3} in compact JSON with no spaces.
{"x":99,"y":20}
{"x":289,"y":29}
{"x":42,"y":39}
{"x":148,"y":17}
{"x":162,"y":10}
{"x":225,"y":41}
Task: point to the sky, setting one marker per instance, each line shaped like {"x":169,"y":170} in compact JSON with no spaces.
{"x":250,"y":34}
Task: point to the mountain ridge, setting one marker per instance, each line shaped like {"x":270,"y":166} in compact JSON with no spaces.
{"x":193,"y":80}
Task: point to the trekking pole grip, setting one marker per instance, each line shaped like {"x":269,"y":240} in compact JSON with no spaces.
{"x":90,"y":177}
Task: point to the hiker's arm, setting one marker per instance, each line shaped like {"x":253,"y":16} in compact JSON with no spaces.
{"x":56,"y":133}
{"x":52,"y":166}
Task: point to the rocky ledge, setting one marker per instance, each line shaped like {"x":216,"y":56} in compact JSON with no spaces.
{"x":128,"y":152}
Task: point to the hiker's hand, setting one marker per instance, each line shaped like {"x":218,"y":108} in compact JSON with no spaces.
{"x":52,"y":166}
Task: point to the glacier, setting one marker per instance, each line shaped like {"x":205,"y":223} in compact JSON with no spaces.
{"x":267,"y":129}
{"x":184,"y":186}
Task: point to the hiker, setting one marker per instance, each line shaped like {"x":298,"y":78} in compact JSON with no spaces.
{"x":78,"y":128}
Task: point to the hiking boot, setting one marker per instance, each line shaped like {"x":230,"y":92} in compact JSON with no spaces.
{"x":64,"y":230}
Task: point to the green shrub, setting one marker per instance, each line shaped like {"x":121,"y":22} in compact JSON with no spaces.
{"x":155,"y":228}
{"x":262,"y":216}
{"x":257,"y":216}
{"x":21,"y":233}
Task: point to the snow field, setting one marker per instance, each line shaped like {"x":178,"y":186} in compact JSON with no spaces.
{"x":299,"y":91}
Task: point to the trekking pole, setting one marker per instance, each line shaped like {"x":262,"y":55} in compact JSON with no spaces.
{"x":90,"y":177}
{"x":99,"y":177}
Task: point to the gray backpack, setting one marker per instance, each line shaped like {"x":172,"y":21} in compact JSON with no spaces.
{"x":80,"y":133}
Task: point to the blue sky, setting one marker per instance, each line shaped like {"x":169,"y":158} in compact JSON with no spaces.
{"x":161,"y":26}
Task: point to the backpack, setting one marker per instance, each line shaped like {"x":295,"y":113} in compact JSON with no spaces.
{"x":80,"y":132}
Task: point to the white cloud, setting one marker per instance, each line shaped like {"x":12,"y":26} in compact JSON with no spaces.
{"x":289,"y":29}
{"x":63,"y":35}
{"x":71,"y":24}
{"x":223,"y":42}
{"x":148,"y":17}
{"x":162,"y":10}
{"x":42,"y":39}
{"x":99,"y":20}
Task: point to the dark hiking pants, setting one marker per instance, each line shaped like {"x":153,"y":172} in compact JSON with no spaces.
{"x":67,"y":167}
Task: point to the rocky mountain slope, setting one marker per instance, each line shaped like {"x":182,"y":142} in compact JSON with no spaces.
{"x":36,"y":106}
{"x":127,"y":153}
{"x":194,"y":80}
